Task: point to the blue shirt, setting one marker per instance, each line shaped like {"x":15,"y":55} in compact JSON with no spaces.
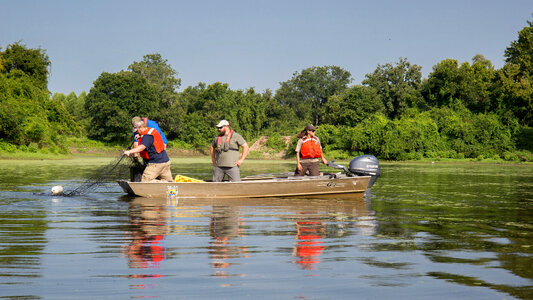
{"x":154,"y":125}
{"x":154,"y":157}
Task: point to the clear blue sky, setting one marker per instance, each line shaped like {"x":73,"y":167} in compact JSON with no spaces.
{"x":256,"y":43}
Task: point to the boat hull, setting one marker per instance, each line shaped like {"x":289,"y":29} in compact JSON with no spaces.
{"x":285,"y":187}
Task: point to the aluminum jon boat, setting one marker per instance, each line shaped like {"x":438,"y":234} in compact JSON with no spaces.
{"x":251,"y":188}
{"x":354,"y":182}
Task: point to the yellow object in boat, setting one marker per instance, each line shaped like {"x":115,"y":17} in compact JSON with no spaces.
{"x":182,"y":178}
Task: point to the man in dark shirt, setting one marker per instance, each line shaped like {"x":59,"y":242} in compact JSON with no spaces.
{"x":152,"y":150}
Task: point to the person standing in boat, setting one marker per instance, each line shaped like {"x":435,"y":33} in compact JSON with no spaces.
{"x":308,"y":152}
{"x":150,"y":124}
{"x":152,"y":149}
{"x":225,"y":154}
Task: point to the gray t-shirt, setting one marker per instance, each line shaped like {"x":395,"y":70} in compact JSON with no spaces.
{"x":228,"y":158}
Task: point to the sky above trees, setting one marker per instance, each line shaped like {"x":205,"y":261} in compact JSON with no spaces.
{"x":256,"y":43}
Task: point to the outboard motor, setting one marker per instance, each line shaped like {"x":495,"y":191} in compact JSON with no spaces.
{"x":366,"y":165}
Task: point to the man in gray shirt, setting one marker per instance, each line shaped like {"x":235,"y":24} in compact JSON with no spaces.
{"x":225,"y":153}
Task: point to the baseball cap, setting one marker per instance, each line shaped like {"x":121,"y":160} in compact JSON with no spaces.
{"x":222,"y":123}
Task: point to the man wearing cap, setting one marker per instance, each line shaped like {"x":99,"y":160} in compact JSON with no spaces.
{"x":308,"y":152}
{"x":152,"y":149}
{"x":225,"y":153}
{"x":149,"y":124}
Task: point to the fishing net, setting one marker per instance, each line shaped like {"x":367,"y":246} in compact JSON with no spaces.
{"x":120,"y":168}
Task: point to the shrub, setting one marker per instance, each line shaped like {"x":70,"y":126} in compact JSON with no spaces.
{"x":337,"y":154}
{"x":276,"y":142}
{"x":33,"y":148}
{"x":179,"y":145}
{"x":414,"y":156}
{"x":7,"y":147}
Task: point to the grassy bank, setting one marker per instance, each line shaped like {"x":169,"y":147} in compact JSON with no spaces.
{"x":75,"y":147}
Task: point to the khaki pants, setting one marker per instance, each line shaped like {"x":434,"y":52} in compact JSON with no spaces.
{"x":161,"y":171}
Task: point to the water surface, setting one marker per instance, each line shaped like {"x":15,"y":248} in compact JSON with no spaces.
{"x":427,"y":231}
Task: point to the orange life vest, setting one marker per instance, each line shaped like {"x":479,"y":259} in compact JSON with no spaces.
{"x":158,"y":141}
{"x":310,"y":148}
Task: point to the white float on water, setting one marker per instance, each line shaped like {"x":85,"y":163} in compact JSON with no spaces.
{"x":57,"y":190}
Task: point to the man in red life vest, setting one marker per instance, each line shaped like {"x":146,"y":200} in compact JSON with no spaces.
{"x":225,"y":153}
{"x":152,"y":149}
{"x":150,"y":124}
{"x":308,"y":152}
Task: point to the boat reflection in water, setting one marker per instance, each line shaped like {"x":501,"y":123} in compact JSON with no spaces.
{"x":314,"y":223}
{"x":225,"y":230}
{"x":147,"y":230}
{"x":310,"y":230}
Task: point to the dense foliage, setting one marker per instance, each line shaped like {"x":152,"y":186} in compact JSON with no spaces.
{"x":307,"y":92}
{"x":398,"y":86}
{"x":112,"y":102}
{"x":461,"y":110}
{"x":29,"y":119}
{"x":33,"y":62}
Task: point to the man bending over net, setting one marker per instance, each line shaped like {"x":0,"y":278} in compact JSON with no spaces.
{"x":151,"y":147}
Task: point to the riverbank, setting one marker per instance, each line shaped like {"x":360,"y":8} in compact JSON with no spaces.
{"x":258,"y":150}
{"x":184,"y":153}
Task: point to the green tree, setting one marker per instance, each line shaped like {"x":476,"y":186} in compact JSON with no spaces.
{"x":482,"y":76}
{"x":514,"y":84}
{"x":280,"y":119}
{"x":353,"y":105}
{"x":514,"y":93}
{"x":28,"y":115}
{"x":112,"y":101}
{"x":473,"y":134}
{"x":34,"y":62}
{"x":470,"y":84}
{"x":203,"y":106}
{"x":307,"y":92}
{"x":159,"y":74}
{"x":398,"y":86}
{"x":520,"y":52}
{"x":75,"y":105}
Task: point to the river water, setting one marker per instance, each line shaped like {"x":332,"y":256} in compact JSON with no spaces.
{"x":426,"y":231}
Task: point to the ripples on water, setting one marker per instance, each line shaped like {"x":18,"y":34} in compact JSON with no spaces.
{"x":427,"y":231}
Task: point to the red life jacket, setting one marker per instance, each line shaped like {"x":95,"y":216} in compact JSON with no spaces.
{"x":158,"y":141}
{"x":310,"y":148}
{"x":224,"y":147}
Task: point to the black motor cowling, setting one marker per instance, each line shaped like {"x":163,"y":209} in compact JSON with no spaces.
{"x":366,"y":165}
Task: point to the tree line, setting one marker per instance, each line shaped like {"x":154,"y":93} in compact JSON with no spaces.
{"x":461,"y":110}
